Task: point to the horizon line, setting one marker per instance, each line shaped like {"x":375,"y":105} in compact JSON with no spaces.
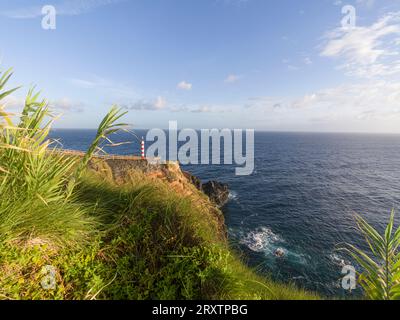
{"x":260,"y":131}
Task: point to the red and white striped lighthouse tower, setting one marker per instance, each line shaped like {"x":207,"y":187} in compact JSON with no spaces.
{"x":142,"y":149}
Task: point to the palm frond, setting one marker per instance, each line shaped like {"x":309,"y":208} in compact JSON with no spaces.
{"x":380,"y":278}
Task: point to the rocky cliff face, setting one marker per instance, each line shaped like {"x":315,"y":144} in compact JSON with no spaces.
{"x":217,"y":192}
{"x":126,"y":169}
{"x":119,"y":168}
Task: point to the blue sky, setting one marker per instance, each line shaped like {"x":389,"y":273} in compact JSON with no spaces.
{"x":279,"y":65}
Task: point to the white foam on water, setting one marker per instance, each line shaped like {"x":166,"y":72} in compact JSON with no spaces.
{"x":264,"y":240}
{"x":232,"y":195}
{"x":338,"y":260}
{"x":261,"y":240}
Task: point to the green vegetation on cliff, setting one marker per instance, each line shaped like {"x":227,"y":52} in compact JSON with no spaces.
{"x":67,"y":232}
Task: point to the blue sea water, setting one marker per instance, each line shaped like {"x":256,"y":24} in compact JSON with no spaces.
{"x":301,"y":198}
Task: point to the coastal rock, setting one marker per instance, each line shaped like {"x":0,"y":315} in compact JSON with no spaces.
{"x":217,"y":192}
{"x":193,"y":179}
{"x":280,"y":253}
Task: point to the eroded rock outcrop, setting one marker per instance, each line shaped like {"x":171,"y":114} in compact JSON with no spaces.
{"x":217,"y":192}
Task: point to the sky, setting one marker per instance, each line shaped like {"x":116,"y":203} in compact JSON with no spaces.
{"x":275,"y":65}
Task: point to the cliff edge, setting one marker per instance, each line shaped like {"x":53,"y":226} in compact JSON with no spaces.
{"x":125,"y":169}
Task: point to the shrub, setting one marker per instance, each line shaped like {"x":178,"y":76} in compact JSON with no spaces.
{"x":380,"y":277}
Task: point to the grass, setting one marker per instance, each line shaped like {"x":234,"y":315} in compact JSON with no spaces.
{"x":37,"y":183}
{"x":134,"y":240}
{"x":150,"y":244}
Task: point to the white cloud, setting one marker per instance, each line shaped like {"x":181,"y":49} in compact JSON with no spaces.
{"x":379,"y":95}
{"x":66,"y":105}
{"x":202,"y":109}
{"x":289,"y":65}
{"x":347,"y":100}
{"x":160,"y":103}
{"x":232,"y":78}
{"x":66,"y":8}
{"x":292,"y":68}
{"x":199,"y":108}
{"x":367,"y":51}
{"x":179,"y":108}
{"x":183,"y":85}
{"x":372,"y":106}
{"x":308,"y":61}
{"x":156,"y":105}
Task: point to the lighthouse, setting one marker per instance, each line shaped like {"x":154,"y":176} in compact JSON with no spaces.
{"x":142,"y":148}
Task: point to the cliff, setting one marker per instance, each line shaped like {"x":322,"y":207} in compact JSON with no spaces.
{"x":132,"y":229}
{"x":125,"y":169}
{"x":121,"y":170}
{"x":121,"y":167}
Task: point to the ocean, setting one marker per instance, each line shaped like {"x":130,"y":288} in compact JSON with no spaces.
{"x":301,"y":198}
